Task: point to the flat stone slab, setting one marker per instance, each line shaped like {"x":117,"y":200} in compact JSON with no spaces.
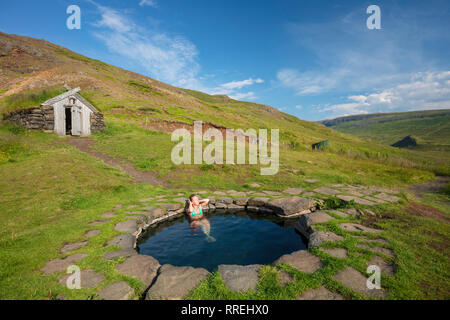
{"x":386,"y":197}
{"x":376,"y":240}
{"x":235,"y":208}
{"x":108,"y":214}
{"x":356,"y":281}
{"x":319,"y":237}
{"x":320,"y":217}
{"x":125,"y":253}
{"x":174,"y":283}
{"x":239,"y":278}
{"x":146,"y":200}
{"x":328,"y":191}
{"x":123,"y":240}
{"x":309,"y":194}
{"x":271,"y":193}
{"x":257,"y":201}
{"x":140,"y":266}
{"x":237,"y":193}
{"x":336,"y":252}
{"x":97,"y":223}
{"x":284,"y":278}
{"x":92,"y":233}
{"x":374,"y":199}
{"x":225,"y":200}
{"x":255,"y":185}
{"x":116,"y":291}
{"x":302,"y":260}
{"x":291,"y":206}
{"x":320,"y":293}
{"x":382,"y":250}
{"x":170,"y":206}
{"x":129,"y":226}
{"x":312,"y":180}
{"x":386,"y":268}
{"x":73,"y":246}
{"x":354,"y":227}
{"x":356,"y":199}
{"x":293,"y":191}
{"x":88,"y":278}
{"x":59,"y":265}
{"x":241,"y":201}
{"x":339,"y":213}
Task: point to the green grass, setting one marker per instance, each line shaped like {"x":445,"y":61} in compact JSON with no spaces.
{"x":430,"y":128}
{"x":151,"y":151}
{"x":57,"y":190}
{"x":29,"y":98}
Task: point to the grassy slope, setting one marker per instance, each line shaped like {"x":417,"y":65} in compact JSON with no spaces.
{"x":50,"y":191}
{"x":431,"y":129}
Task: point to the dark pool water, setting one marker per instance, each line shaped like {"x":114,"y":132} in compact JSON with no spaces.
{"x":239,"y":238}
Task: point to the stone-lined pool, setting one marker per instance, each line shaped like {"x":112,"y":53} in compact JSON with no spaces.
{"x":222,"y":238}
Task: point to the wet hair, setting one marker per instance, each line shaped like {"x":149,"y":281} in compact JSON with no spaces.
{"x":192,"y":196}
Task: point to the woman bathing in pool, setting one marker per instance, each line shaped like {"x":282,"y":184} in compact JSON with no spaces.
{"x":196,"y":217}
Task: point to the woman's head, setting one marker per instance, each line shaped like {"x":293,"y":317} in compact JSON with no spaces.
{"x":194,"y":199}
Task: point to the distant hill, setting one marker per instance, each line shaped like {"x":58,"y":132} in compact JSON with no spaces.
{"x":430,"y":128}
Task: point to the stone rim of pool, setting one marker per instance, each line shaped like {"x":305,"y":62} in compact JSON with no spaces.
{"x":200,"y":252}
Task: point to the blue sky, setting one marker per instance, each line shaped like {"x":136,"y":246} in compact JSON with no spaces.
{"x":313,"y":59}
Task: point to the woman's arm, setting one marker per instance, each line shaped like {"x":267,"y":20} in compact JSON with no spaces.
{"x":190,"y":208}
{"x":203,"y":202}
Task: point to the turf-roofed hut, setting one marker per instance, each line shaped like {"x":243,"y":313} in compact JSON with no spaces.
{"x":66,"y":114}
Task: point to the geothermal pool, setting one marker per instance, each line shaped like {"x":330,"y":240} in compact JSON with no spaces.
{"x":222,"y":238}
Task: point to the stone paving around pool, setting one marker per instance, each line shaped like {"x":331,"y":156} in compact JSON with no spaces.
{"x":173,"y":282}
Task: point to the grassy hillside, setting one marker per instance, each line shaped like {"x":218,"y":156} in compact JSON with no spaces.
{"x":431,"y":129}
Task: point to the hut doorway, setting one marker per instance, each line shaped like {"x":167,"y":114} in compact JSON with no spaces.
{"x":68,"y":118}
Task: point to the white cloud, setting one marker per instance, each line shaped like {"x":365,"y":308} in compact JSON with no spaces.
{"x":172,"y":59}
{"x":243,"y":96}
{"x":165,"y":57}
{"x":424,"y":91}
{"x":239,"y":84}
{"x":150,"y":3}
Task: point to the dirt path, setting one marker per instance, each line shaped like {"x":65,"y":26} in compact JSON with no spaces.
{"x":85,"y":144}
{"x":429,"y":187}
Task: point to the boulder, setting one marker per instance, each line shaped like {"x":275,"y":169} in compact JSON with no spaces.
{"x":353,"y":279}
{"x":128,"y":226}
{"x":140,"y":266}
{"x":257,"y":202}
{"x":225,"y":200}
{"x":320,"y":293}
{"x":235,"y":208}
{"x":302,"y":260}
{"x":59,"y":265}
{"x":241,"y":201}
{"x":239,"y":278}
{"x":116,"y":291}
{"x":124,"y":241}
{"x":123,"y":253}
{"x":88,"y":278}
{"x":291,"y":206}
{"x":174,"y":283}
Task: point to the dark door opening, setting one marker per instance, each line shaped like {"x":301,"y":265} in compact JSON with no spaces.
{"x":68,"y":121}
